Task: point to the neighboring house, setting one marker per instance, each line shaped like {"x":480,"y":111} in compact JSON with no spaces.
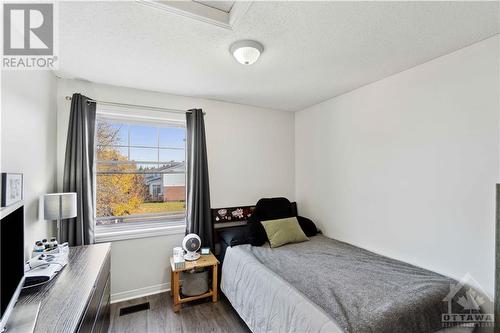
{"x":169,"y":184}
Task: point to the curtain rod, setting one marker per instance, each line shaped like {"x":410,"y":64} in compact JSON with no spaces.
{"x":135,"y":106}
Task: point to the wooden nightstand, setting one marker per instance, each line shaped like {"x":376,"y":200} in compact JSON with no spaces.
{"x":204,"y":261}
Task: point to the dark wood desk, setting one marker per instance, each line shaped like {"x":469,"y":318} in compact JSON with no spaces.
{"x":77,"y":300}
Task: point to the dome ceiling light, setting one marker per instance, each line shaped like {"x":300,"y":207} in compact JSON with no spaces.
{"x":246,"y":52}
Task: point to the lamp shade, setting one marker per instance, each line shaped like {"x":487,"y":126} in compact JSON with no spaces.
{"x":58,"y":206}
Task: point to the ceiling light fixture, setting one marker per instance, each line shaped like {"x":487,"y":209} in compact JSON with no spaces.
{"x":246,"y":52}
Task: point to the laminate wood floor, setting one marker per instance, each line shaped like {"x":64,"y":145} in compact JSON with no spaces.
{"x":196,"y":317}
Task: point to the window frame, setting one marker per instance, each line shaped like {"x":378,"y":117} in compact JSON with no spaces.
{"x":153,"y":228}
{"x":156,"y":189}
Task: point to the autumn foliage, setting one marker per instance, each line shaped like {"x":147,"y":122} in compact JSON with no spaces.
{"x":120,"y":190}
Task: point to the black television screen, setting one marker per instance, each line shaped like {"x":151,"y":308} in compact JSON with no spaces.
{"x":11,"y":258}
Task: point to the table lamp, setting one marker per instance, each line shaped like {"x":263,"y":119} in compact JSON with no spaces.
{"x":58,"y":206}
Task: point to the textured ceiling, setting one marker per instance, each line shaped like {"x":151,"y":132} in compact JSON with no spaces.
{"x":313,"y":50}
{"x":225,"y":6}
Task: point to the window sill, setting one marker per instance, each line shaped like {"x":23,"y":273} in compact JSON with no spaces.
{"x":105,"y":234}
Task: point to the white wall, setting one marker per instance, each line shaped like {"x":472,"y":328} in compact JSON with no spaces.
{"x":250,"y":152}
{"x":28,"y":141}
{"x":407,"y":166}
{"x":141,"y":266}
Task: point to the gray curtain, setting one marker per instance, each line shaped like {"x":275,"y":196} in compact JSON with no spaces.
{"x":198,"y":191}
{"x":497,"y":262}
{"x":78,"y":171}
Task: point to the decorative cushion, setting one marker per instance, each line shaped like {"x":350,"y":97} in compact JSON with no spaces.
{"x":307,"y":226}
{"x":283,"y":231}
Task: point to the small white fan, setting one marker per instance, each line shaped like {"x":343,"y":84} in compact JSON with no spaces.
{"x":191,"y":243}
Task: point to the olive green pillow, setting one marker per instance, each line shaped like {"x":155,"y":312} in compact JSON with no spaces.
{"x":283,"y":231}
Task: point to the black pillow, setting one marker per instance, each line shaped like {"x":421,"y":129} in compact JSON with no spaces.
{"x":235,"y":235}
{"x":273,"y":208}
{"x":256,"y":233}
{"x":307,"y":226}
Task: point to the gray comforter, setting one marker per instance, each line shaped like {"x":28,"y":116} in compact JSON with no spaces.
{"x":360,"y":290}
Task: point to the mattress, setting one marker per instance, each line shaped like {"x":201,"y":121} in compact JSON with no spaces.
{"x":269,"y":303}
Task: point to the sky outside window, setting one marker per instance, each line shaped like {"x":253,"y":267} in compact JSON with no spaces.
{"x":150,"y":143}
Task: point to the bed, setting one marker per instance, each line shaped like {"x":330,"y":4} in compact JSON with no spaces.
{"x":324,"y":285}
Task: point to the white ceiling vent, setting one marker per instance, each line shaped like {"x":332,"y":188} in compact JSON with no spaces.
{"x":224,"y":14}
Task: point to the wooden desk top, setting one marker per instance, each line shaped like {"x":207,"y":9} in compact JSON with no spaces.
{"x":64,"y":299}
{"x":205,"y":260}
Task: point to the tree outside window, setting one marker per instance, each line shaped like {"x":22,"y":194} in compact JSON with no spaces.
{"x":140,"y":171}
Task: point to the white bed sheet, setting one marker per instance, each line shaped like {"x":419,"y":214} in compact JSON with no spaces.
{"x":267,"y":303}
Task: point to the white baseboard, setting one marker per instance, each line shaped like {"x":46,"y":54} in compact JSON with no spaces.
{"x":140,"y":292}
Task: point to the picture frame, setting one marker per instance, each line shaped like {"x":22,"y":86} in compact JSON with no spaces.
{"x":11,"y":188}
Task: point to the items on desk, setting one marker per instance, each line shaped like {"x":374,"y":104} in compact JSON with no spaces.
{"x":53,"y":243}
{"x":46,"y":247}
{"x":44,"y":266}
{"x":191,"y":243}
{"x":178,"y":251}
{"x":38,"y":247}
{"x":178,"y":255}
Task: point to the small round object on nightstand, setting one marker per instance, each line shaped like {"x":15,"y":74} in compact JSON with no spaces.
{"x":191,"y":243}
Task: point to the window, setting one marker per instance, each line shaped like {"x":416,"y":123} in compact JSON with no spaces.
{"x":156,"y":190}
{"x":140,"y":172}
